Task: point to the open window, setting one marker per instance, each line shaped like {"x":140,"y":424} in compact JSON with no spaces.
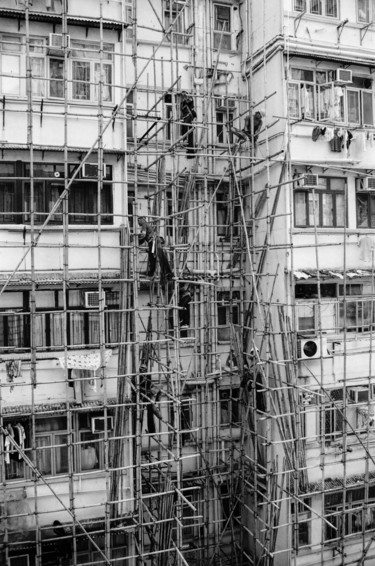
{"x":222,"y":26}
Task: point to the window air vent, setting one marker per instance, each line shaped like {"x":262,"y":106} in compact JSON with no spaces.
{"x":310,"y":180}
{"x":366,"y":184}
{"x":92,"y":299}
{"x":56,"y":42}
{"x":358,"y":394}
{"x":224,"y":102}
{"x":343,"y":76}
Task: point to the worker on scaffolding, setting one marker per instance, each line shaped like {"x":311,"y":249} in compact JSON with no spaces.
{"x":155,"y":250}
{"x":188,"y":115}
{"x":248,"y":132}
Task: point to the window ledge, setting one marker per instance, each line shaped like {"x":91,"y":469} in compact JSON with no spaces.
{"x":313,"y":17}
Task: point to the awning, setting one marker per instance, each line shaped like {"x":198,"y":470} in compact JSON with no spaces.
{"x":54,"y":408}
{"x":57,"y":277}
{"x":57,"y":19}
{"x":326,"y":274}
{"x":91,"y":361}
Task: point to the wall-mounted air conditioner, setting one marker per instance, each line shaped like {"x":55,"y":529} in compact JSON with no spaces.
{"x":92,"y":299}
{"x":310,"y":348}
{"x":56,"y":42}
{"x":366,"y":184}
{"x":224,"y":102}
{"x":358,"y":394}
{"x":100,"y":424}
{"x":91,"y":171}
{"x":343,"y":76}
{"x":309,"y":180}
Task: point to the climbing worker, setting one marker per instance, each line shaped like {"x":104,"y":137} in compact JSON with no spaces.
{"x":188,"y":115}
{"x":246,"y":134}
{"x":155,"y":250}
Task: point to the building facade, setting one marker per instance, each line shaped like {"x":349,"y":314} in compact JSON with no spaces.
{"x":312,"y":463}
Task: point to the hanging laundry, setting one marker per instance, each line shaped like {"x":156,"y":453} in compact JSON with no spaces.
{"x":362,"y":136}
{"x":337,"y":142}
{"x":20,"y":438}
{"x":366,"y":246}
{"x":329,"y":134}
{"x":349,"y":139}
{"x":8,"y":446}
{"x":317,"y":132}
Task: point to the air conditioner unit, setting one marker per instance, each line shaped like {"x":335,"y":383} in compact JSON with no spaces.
{"x":310,"y":180}
{"x":309,"y":348}
{"x":224,"y":102}
{"x":358,"y":394}
{"x":343,"y":76}
{"x":92,"y":299}
{"x":366,"y":184}
{"x":91,"y":171}
{"x":100,"y":424}
{"x":56,"y":42}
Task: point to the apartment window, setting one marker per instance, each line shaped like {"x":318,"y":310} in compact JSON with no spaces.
{"x":88,"y":69}
{"x":14,"y":464}
{"x":227,"y":313}
{"x":91,"y":445}
{"x":38,"y":66}
{"x":168,"y":117}
{"x":333,"y":415}
{"x":351,"y":515}
{"x":51,"y":438}
{"x":357,"y":316}
{"x":129,"y":18}
{"x":323,"y":206}
{"x":365,"y":11}
{"x":82,"y":198}
{"x":365,"y":204}
{"x":83,"y":324}
{"x":222,"y":26}
{"x":316,"y":95}
{"x":88,"y":75}
{"x":129,"y":116}
{"x":186,"y":419}
{"x":222,"y":119}
{"x":174,"y":15}
{"x":229,"y":407}
{"x":10,"y":65}
{"x":355,"y":313}
{"x":228,"y":212}
{"x":318,"y":7}
{"x":301,"y":521}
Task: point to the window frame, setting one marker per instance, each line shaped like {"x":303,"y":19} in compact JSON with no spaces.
{"x":228,"y":308}
{"x":365,"y":212}
{"x":217,"y":31}
{"x":172,"y":9}
{"x":369,"y":8}
{"x":343,"y":516}
{"x":50,"y":81}
{"x":230,"y":404}
{"x":308,"y":99}
{"x":318,"y":194}
{"x":307,"y":5}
